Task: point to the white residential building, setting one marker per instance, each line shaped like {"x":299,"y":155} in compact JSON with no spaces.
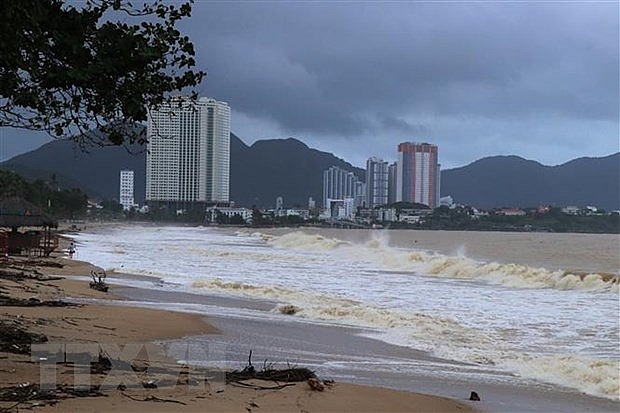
{"x":376,"y":182}
{"x":126,"y":189}
{"x":340,"y":184}
{"x":188,"y":157}
{"x":211,"y":213}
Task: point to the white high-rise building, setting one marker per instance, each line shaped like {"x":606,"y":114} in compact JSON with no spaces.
{"x":126,"y":189}
{"x":376,"y":182}
{"x":339,"y":184}
{"x":188,"y":158}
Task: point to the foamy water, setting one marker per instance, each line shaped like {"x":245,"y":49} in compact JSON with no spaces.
{"x":559,"y":326}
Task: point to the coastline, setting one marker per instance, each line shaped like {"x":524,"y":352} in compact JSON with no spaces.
{"x":39,"y":283}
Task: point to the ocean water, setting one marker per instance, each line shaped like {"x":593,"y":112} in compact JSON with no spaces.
{"x":544,"y":307}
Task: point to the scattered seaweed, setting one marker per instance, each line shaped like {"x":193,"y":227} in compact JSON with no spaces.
{"x":43,"y":263}
{"x":7,"y":301}
{"x":30,"y":392}
{"x":103,"y":364}
{"x":14,"y":339}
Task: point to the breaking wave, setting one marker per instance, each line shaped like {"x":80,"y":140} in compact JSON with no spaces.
{"x":303,"y":241}
{"x":377,"y":252}
{"x":440,"y":336}
{"x":598,"y":377}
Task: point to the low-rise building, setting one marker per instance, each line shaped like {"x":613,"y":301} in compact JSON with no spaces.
{"x":212,"y":213}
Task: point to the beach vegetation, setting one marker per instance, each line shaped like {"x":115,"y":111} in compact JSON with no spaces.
{"x":89,"y":71}
{"x":45,"y":194}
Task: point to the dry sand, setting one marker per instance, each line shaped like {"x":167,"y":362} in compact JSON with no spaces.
{"x":113,"y":325}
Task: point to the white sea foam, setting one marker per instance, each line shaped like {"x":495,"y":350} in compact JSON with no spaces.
{"x":440,"y":336}
{"x":459,"y":266}
{"x":598,"y":377}
{"x":303,"y":241}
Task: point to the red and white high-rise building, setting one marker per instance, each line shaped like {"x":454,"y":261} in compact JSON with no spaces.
{"x":417,"y":175}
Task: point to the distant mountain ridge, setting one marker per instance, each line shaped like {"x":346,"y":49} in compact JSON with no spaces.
{"x":258,"y":173}
{"x":289,"y":168}
{"x":502,"y":181}
{"x":96,"y":171}
{"x":279,"y":167}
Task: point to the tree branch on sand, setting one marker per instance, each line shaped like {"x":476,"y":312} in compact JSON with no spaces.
{"x":288,"y":375}
{"x":98,"y":283}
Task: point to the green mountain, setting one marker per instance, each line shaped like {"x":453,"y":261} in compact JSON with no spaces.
{"x":287,"y":167}
{"x":94,"y":169}
{"x":279,"y":167}
{"x":259,"y":173}
{"x":502,"y":181}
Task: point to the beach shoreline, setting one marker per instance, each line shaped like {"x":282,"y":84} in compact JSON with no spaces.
{"x":58,"y":279}
{"x":289,"y":339}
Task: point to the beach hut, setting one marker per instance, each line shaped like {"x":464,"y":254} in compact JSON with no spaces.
{"x":26,"y":229}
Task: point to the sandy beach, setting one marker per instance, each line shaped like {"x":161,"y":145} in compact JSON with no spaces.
{"x":41,"y":296}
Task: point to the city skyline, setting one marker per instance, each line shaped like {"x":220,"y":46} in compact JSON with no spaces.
{"x":415,"y":178}
{"x":531,"y":79}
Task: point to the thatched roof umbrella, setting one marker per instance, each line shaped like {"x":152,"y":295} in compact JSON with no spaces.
{"x":15,"y":213}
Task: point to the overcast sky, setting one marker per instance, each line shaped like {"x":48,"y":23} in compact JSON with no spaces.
{"x":534,"y":79}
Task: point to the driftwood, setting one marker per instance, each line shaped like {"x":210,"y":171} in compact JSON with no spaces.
{"x":14,"y":339}
{"x":268,"y":373}
{"x":98,"y":283}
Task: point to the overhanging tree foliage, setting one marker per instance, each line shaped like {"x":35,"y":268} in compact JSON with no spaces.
{"x":79,"y":69}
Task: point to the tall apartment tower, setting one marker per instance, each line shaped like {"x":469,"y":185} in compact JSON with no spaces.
{"x":340,"y":184}
{"x":392,"y":182}
{"x":376,"y":182}
{"x":126,"y":189}
{"x":417,"y":175}
{"x":188,"y":157}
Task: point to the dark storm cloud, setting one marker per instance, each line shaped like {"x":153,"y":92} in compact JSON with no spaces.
{"x":358,"y":69}
{"x":419,"y":54}
{"x":536,"y":79}
{"x":403,"y":127}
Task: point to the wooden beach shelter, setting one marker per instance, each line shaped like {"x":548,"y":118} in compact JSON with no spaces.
{"x":24,"y":228}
